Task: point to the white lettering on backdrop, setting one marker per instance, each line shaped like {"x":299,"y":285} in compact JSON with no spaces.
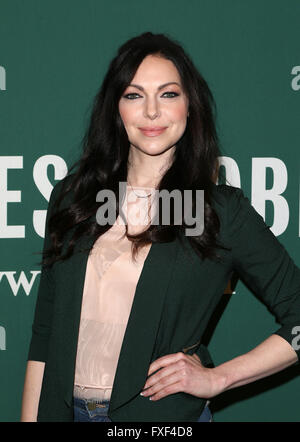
{"x":260,"y":194}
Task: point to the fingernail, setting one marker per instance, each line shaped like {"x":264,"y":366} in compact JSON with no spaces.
{"x":142,"y":394}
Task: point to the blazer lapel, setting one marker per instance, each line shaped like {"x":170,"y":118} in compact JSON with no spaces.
{"x":143,"y":321}
{"x":74,"y":273}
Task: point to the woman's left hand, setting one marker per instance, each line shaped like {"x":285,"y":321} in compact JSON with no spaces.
{"x":180,"y":372}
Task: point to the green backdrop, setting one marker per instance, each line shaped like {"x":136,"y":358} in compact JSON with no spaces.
{"x":53,"y":56}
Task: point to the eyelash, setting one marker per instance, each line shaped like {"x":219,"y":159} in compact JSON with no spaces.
{"x":134,"y":93}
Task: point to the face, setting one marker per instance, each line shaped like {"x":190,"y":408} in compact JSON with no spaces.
{"x":154,"y":114}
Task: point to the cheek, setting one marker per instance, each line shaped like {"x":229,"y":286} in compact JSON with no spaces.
{"x":123,"y":113}
{"x":179,"y":113}
{"x":127,"y":114}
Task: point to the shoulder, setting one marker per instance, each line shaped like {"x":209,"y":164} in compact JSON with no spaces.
{"x":226,"y":193}
{"x":226,"y":198}
{"x":234,"y":209}
{"x":60,"y":188}
{"x":240,"y":218}
{"x":61,"y":184}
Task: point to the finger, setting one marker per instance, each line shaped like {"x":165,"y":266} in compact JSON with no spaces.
{"x":164,"y":383}
{"x":164,"y":360}
{"x":170,"y":389}
{"x":166,"y":371}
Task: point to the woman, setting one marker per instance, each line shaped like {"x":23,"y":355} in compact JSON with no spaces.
{"x":117,"y":333}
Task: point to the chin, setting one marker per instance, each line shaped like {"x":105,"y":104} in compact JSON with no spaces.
{"x":152,"y":147}
{"x":154,"y":150}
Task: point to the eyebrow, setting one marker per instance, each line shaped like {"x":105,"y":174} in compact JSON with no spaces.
{"x":159,"y":87}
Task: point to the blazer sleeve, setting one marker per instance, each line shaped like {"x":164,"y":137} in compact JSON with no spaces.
{"x":264,"y":264}
{"x":44,"y":305}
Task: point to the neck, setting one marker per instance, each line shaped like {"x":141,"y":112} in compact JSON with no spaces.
{"x":147,"y":170}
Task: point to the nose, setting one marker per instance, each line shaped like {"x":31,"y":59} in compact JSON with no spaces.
{"x":151,"y":109}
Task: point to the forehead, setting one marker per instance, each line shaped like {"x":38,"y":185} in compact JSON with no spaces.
{"x":156,"y":71}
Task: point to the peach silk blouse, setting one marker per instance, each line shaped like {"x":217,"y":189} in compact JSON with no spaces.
{"x":110,"y":283}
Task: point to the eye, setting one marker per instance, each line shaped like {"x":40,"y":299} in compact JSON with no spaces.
{"x":131,"y":95}
{"x":128,"y":96}
{"x":171,"y":93}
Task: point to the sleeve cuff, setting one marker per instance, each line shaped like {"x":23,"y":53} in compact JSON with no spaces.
{"x":291,"y":334}
{"x":38,"y":348}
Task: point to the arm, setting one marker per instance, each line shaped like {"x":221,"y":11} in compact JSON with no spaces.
{"x":32,"y":390}
{"x":272,"y":355}
{"x":264,"y":264}
{"x":41,"y":330}
{"x":266,"y":267}
{"x":186,"y":372}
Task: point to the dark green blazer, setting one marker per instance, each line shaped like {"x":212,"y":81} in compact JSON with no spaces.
{"x":174,"y":300}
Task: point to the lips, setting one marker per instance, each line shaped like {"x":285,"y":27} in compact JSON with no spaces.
{"x":152,"y":132}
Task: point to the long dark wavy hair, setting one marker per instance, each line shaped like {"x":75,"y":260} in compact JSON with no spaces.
{"x":104,"y":160}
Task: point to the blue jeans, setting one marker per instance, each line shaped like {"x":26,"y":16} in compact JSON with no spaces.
{"x":96,"y":411}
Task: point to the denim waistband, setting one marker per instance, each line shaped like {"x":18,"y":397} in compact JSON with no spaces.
{"x":83,"y":402}
{"x":91,"y":404}
{"x":98,"y":409}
